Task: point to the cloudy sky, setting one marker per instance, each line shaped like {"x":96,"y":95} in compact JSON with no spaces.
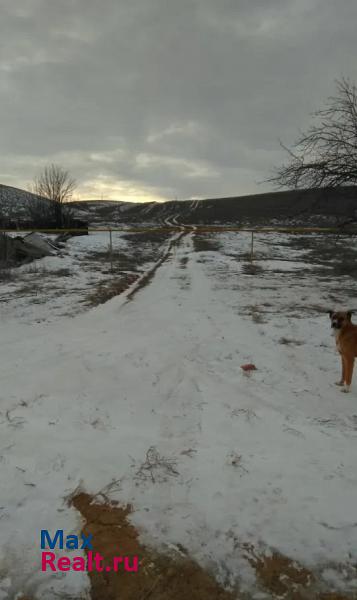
{"x":164,"y":99}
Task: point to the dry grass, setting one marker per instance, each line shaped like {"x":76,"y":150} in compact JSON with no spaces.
{"x":183,"y":262}
{"x":121,"y":261}
{"x":43,"y":271}
{"x":252,"y":268}
{"x":206,"y":243}
{"x":6,"y":274}
{"x":138,"y":239}
{"x":333,"y":255}
{"x":110,"y":288}
{"x":156,"y":468}
{"x":258,"y":318}
{"x":290,"y":342}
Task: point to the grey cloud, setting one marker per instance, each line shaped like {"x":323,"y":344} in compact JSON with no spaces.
{"x":178,"y":99}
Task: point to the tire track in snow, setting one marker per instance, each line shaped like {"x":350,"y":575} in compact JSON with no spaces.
{"x":181,"y":420}
{"x":181,"y":402}
{"x":146,"y":277}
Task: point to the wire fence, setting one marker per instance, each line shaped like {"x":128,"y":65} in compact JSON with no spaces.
{"x":190,"y":228}
{"x":168,"y":228}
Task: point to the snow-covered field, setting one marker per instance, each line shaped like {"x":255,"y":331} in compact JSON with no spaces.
{"x":61,"y":285}
{"x":267,"y":459}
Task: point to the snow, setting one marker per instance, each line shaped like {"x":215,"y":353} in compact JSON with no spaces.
{"x":267,"y":458}
{"x":56,"y":286}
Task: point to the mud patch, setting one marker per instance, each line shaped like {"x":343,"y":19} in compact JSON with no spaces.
{"x":159,"y":577}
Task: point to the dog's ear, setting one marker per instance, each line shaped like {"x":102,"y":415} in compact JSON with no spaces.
{"x":330,"y":313}
{"x":349,"y":314}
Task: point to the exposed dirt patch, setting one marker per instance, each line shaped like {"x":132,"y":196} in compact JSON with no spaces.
{"x":283,"y":578}
{"x":106,"y":290}
{"x":156,"y":237}
{"x":176,"y":576}
{"x":333,"y":596}
{"x":206,"y":243}
{"x":145,"y":280}
{"x":159,"y":577}
{"x":119,"y":260}
{"x":333,"y":252}
{"x":252,"y":268}
{"x":280,"y":575}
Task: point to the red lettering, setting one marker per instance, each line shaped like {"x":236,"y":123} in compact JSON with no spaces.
{"x":116,"y":561}
{"x":98,"y":558}
{"x":133,"y":567}
{"x":79,"y":563}
{"x":47,"y":559}
{"x":64,"y":563}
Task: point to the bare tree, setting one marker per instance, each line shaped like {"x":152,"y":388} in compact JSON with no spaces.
{"x":55,"y":184}
{"x":40,"y":212}
{"x":326,"y":155}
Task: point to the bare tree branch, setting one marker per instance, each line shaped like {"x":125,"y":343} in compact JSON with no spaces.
{"x":56,"y":185}
{"x":326,"y":155}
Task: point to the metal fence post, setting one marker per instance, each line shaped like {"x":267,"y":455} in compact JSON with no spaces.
{"x":111,"y":250}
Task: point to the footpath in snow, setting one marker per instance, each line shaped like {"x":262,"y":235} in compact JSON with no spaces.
{"x":267,"y":459}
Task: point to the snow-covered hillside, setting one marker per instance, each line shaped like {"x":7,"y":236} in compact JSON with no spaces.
{"x":293,"y":208}
{"x":15,"y":205}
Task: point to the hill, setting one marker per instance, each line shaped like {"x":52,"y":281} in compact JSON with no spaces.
{"x":16,"y":205}
{"x":310,"y":207}
{"x":296,"y":207}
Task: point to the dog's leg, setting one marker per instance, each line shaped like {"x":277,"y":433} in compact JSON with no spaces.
{"x":343,"y":376}
{"x":349,"y":364}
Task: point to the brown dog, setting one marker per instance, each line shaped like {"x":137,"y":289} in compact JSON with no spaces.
{"x":346,"y":343}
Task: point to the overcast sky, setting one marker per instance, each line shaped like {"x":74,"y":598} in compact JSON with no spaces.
{"x":164,"y":99}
